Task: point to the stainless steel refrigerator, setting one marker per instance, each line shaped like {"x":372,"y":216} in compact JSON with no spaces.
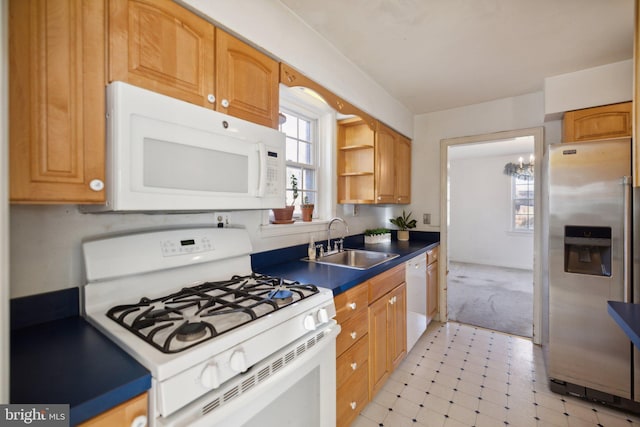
{"x":590,"y":262}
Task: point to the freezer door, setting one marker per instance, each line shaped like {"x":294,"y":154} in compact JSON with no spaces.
{"x":586,"y":230}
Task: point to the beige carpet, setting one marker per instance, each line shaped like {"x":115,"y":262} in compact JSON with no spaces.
{"x":491,"y":297}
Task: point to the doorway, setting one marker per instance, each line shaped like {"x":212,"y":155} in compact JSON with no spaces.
{"x":490,"y":236}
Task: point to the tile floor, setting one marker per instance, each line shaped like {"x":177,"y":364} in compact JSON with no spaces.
{"x":460,"y":375}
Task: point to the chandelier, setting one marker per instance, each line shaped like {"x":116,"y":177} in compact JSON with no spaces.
{"x":520,"y":169}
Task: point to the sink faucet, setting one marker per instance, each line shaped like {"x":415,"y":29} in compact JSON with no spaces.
{"x":337,"y":245}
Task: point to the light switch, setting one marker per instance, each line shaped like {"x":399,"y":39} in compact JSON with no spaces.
{"x":426,"y":218}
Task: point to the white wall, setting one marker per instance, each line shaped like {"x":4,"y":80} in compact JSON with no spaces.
{"x":519,"y":112}
{"x":606,"y":84}
{"x":46,"y":240}
{"x":273,"y":27}
{"x":480,"y":216}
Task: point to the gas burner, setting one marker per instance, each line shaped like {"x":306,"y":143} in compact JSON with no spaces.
{"x":191,"y":331}
{"x":281,"y":296}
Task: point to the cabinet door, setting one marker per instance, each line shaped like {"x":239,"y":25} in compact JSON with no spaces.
{"x":397,"y":326}
{"x":161,"y":46}
{"x":247,"y":81}
{"x":608,"y":121}
{"x":385,"y":181}
{"x":56,"y":101}
{"x":121,"y":415}
{"x":378,"y":345}
{"x":403,"y":170}
{"x":432,"y":290}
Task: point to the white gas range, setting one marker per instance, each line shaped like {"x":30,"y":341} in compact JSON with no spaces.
{"x":215,"y":336}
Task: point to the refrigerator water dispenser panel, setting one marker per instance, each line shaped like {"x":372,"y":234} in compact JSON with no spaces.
{"x":587,"y":250}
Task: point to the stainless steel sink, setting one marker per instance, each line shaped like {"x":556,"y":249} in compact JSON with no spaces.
{"x":354,"y":258}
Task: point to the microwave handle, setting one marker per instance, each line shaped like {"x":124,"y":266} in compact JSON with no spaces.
{"x":262,"y":155}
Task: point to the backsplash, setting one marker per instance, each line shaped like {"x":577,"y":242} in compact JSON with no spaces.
{"x":45,"y":243}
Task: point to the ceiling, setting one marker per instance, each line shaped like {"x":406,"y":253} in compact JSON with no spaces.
{"x":433,"y":55}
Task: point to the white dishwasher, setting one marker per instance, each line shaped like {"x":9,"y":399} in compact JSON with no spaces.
{"x":416,"y":279}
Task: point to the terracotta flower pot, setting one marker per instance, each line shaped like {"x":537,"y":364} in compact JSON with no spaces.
{"x":307,"y":212}
{"x":403,"y":235}
{"x":283,"y":215}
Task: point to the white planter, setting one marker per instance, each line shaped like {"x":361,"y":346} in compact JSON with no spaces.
{"x":377,"y":238}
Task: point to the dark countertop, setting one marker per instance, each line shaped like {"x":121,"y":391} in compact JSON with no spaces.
{"x":340,"y":279}
{"x":627,"y":316}
{"x":62,"y":359}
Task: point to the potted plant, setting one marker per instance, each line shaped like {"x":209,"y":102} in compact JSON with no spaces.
{"x":285,"y":215}
{"x":377,"y":235}
{"x":404,"y":223}
{"x":307,"y":209}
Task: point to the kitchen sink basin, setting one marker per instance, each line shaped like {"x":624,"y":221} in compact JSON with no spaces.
{"x":354,"y":258}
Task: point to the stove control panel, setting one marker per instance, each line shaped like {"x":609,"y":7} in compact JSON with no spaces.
{"x":174,"y":247}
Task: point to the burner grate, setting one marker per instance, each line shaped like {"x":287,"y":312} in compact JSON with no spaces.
{"x":198,"y":313}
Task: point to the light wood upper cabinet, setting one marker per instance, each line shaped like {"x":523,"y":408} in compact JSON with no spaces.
{"x":56,"y":101}
{"x":246,"y":81}
{"x":161,"y":46}
{"x":608,"y":121}
{"x":385,"y":182}
{"x":374,"y":165}
{"x":403,"y":170}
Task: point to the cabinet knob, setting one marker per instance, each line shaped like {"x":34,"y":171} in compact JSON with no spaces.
{"x":354,"y":366}
{"x":352,"y":305}
{"x":391,"y":301}
{"x":96,"y":185}
{"x":139,"y":421}
{"x":379,"y":197}
{"x":211,"y":98}
{"x":224,"y":103}
{"x":353,"y":334}
{"x":353,"y":405}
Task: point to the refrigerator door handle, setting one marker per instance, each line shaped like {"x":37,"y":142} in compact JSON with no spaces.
{"x":627,"y":239}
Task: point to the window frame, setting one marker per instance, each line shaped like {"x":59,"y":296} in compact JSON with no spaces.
{"x":513,"y":198}
{"x":300,"y":101}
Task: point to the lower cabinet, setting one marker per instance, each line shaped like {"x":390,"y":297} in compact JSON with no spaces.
{"x":351,"y":380}
{"x":372,"y":341}
{"x":133,"y":413}
{"x":387,"y":336}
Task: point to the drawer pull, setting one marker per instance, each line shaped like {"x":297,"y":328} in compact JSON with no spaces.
{"x":353,"y":405}
{"x":354,"y":366}
{"x":353,"y":334}
{"x":352,"y":305}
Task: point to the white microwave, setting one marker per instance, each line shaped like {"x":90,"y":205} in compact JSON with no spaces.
{"x":164,"y":154}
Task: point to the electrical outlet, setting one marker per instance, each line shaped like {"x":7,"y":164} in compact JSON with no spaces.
{"x":221,"y":219}
{"x":426,"y":218}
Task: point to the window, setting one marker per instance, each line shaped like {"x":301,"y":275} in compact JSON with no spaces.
{"x":301,"y":133}
{"x":522,"y":202}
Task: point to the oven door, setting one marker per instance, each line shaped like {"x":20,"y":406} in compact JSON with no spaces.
{"x":294,"y":387}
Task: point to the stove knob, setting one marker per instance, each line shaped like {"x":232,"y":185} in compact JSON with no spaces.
{"x":309,"y":323}
{"x":323,"y":316}
{"x":209,"y":377}
{"x":238,"y":361}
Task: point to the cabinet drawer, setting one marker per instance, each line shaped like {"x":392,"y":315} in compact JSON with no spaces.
{"x":432,"y":255}
{"x":385,"y":282}
{"x":351,"y":398}
{"x":353,"y":362}
{"x":351,"y":302}
{"x":352,"y":330}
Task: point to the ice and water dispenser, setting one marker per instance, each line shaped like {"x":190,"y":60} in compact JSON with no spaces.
{"x":587,"y":250}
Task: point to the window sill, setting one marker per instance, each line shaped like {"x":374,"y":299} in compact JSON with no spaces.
{"x":298,"y":227}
